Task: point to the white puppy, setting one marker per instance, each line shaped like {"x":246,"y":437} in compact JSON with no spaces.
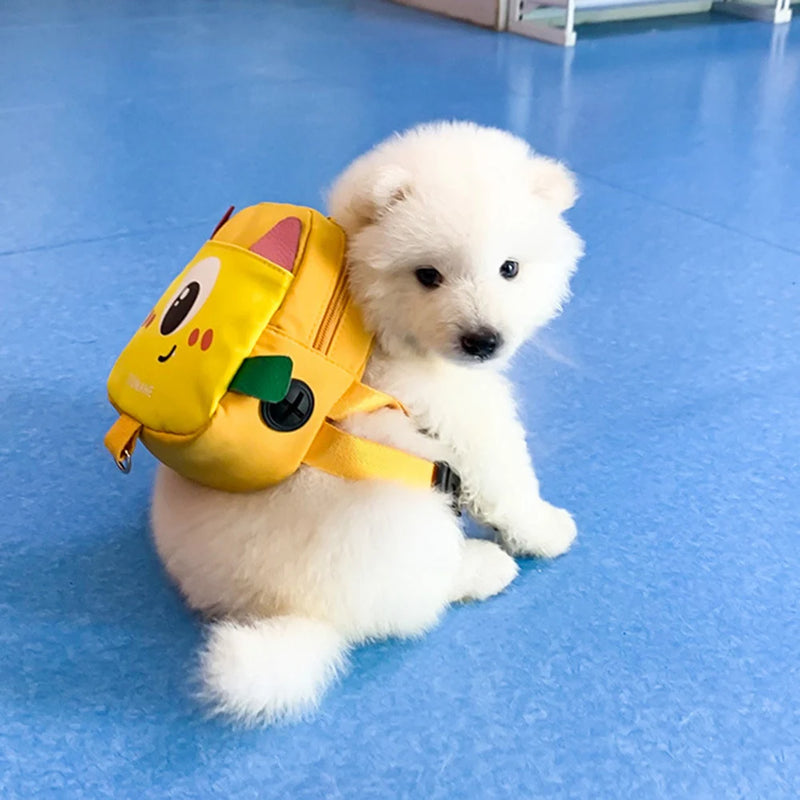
{"x":457,"y":253}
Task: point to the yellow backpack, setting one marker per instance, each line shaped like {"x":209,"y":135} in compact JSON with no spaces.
{"x":244,"y":366}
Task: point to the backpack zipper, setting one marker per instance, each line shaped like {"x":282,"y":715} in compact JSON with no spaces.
{"x":333,"y":315}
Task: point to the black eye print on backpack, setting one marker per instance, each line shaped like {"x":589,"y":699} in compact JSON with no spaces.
{"x":190,"y":296}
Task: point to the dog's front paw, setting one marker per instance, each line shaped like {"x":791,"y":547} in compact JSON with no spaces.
{"x":547,"y":532}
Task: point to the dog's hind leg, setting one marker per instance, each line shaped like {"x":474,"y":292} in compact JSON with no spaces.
{"x":485,"y":570}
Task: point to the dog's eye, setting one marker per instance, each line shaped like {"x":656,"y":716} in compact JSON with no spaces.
{"x":429,"y":277}
{"x":509,"y":269}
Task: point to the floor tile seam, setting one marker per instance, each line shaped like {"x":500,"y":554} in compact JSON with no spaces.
{"x":109,"y":237}
{"x":687,"y":212}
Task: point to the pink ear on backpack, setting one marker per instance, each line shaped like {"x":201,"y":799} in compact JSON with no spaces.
{"x":280,"y":243}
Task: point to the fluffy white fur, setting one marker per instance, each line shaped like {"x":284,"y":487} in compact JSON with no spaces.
{"x":300,"y":572}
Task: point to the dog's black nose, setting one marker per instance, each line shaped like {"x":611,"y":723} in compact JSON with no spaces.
{"x":482,"y":343}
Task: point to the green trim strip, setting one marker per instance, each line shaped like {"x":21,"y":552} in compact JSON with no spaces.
{"x":264,"y":377}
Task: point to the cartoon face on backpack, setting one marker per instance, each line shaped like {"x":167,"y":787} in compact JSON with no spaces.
{"x":175,"y":368}
{"x":182,"y":308}
{"x":195,"y":293}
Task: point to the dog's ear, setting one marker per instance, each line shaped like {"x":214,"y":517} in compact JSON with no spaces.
{"x":554,"y":183}
{"x":361,"y":196}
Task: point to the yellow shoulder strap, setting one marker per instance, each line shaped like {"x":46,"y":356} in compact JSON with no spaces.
{"x":361,"y":399}
{"x":347,"y":456}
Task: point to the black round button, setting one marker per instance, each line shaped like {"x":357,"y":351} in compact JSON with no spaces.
{"x":292,"y":412}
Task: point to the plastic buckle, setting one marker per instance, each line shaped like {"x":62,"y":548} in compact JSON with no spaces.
{"x":447,"y":480}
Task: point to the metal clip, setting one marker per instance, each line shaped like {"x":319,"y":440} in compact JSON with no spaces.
{"x":126,"y":462}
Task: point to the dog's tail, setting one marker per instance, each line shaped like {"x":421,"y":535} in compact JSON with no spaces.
{"x":270,"y":669}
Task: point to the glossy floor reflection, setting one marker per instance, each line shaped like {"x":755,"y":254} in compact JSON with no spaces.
{"x":659,"y":659}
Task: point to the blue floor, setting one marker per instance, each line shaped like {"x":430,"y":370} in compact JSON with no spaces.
{"x":660,"y":658}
